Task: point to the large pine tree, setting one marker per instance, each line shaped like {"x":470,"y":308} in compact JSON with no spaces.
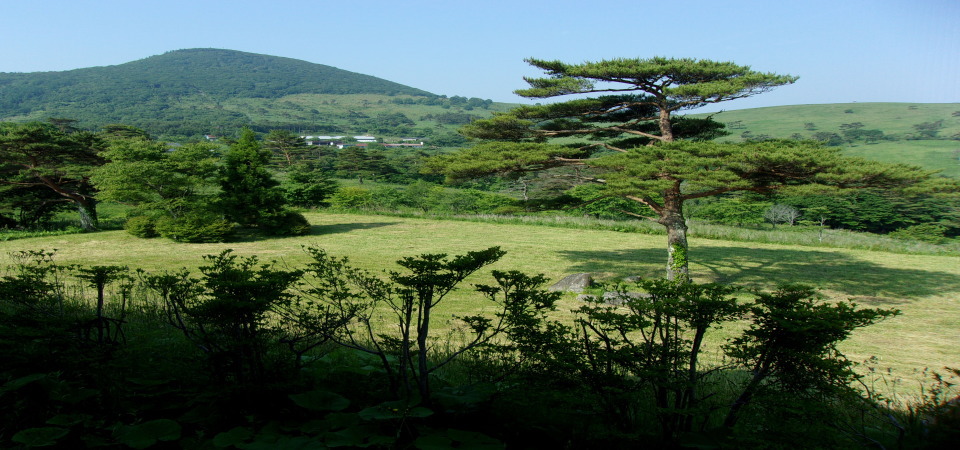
{"x":631,"y":143}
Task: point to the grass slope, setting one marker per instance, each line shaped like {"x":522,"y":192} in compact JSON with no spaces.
{"x":924,"y":287}
{"x":896,"y":120}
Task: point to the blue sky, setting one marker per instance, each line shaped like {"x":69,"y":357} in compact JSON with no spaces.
{"x":843,"y":50}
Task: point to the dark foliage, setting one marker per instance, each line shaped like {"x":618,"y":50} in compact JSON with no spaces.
{"x":243,"y":355}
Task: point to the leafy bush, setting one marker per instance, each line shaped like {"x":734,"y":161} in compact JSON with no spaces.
{"x":195,"y":227}
{"x":141,"y":227}
{"x":307,"y":186}
{"x":351,"y":197}
{"x":925,"y":232}
{"x":330,"y":355}
{"x":285,"y":223}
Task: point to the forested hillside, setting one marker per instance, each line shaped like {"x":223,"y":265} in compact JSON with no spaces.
{"x":187,"y":93}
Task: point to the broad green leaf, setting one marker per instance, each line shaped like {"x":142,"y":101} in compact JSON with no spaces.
{"x":148,"y":433}
{"x":473,"y":440}
{"x":321,"y":400}
{"x":40,"y":437}
{"x":233,"y":437}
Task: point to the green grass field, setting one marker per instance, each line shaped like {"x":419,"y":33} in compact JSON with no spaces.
{"x":926,"y":288}
{"x":896,"y":120}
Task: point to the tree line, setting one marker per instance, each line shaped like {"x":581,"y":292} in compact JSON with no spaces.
{"x":189,"y":193}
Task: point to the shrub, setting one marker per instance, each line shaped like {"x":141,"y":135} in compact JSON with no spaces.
{"x":924,"y":232}
{"x":141,"y":227}
{"x":351,"y":197}
{"x":308,"y":187}
{"x":285,"y":223}
{"x":196,"y":227}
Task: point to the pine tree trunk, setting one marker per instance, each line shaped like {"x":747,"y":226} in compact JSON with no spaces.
{"x":672,"y":218}
{"x":88,"y":214}
{"x":666,"y":128}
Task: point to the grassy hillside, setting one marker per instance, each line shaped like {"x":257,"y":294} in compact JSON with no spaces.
{"x":896,"y":120}
{"x":924,"y":287}
{"x":187,"y":93}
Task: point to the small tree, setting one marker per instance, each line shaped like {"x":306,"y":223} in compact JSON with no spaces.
{"x":652,"y":344}
{"x":406,"y":354}
{"x":41,"y":155}
{"x":286,"y":146}
{"x":249,"y":194}
{"x":791,"y":345}
{"x":109,"y":330}
{"x":779,"y":213}
{"x":229,"y":312}
{"x":307,"y":186}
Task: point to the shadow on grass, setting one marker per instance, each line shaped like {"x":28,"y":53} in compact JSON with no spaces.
{"x":347,"y":227}
{"x":253,"y":235}
{"x":766,"y":268}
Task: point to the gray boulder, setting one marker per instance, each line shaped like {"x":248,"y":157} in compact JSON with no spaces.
{"x":573,"y":283}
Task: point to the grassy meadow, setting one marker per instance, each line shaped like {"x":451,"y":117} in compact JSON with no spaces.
{"x":896,"y":120}
{"x":925,"y":287}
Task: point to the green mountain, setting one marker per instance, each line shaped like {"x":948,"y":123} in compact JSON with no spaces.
{"x":185,"y":94}
{"x":199,"y":91}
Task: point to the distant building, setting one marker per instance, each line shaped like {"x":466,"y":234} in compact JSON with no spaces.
{"x":323,"y":140}
{"x":407,"y":145}
{"x":358,"y":141}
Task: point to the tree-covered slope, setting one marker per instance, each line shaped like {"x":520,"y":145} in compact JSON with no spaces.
{"x":209,"y":72}
{"x":179,"y":87}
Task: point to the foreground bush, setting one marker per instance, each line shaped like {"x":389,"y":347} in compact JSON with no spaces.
{"x":195,"y":227}
{"x":249,"y":354}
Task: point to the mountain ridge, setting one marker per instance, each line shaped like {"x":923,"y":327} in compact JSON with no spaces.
{"x":186,"y":86}
{"x":208,"y":67}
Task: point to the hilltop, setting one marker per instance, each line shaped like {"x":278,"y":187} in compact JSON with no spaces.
{"x":186,"y":93}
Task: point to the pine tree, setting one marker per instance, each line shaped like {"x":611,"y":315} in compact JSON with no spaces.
{"x":249,"y":192}
{"x":631,"y":143}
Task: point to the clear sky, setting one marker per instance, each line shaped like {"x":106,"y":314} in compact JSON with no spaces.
{"x":842,"y":50}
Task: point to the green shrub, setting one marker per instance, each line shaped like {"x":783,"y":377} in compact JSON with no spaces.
{"x":196,"y":227}
{"x":285,"y":223}
{"x":509,"y":210}
{"x":924,"y":232}
{"x":350,"y":197}
{"x":307,"y":187}
{"x":141,"y":227}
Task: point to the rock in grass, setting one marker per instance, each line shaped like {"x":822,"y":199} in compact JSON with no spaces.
{"x":573,"y":283}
